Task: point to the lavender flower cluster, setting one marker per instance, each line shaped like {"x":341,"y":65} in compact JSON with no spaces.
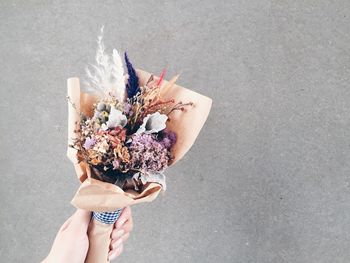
{"x":151,"y":152}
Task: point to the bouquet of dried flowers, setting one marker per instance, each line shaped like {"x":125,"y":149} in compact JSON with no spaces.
{"x":126,"y":141}
{"x":123,"y":135}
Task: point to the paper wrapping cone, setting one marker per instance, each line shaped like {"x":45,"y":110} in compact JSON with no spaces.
{"x":94,"y":195}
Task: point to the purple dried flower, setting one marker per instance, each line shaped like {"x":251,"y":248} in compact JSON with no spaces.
{"x":89,"y":143}
{"x":147,"y":153}
{"x":168,"y":139}
{"x":133,"y":81}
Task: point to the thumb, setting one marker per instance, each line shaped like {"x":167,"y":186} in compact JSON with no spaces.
{"x":81,"y":219}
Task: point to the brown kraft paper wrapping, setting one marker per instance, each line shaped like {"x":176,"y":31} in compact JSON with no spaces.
{"x":95,"y":195}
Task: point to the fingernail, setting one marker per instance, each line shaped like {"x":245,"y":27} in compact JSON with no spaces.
{"x":117,"y":243}
{"x":120,"y":233}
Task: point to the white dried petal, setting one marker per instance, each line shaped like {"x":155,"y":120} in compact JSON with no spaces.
{"x":116,"y":118}
{"x":153,"y":123}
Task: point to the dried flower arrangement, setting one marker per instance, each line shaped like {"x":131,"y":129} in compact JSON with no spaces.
{"x":126,"y":141}
{"x":122,"y":136}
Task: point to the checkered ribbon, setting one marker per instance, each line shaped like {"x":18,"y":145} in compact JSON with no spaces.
{"x":107,"y":217}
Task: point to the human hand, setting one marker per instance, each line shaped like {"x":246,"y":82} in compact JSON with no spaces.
{"x":71,"y":243}
{"x":121,"y":232}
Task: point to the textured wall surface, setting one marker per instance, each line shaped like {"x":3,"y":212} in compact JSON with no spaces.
{"x":268,"y":179}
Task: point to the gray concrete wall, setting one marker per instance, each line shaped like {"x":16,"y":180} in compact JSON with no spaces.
{"x":267,"y":180}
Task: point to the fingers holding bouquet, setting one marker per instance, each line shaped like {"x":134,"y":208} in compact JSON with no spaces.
{"x":121,"y":232}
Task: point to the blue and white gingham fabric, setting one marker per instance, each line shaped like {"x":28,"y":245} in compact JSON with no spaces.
{"x":107,"y":217}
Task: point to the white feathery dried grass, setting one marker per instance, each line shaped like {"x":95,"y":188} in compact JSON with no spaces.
{"x":107,"y":76}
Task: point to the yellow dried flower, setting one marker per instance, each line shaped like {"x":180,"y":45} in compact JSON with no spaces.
{"x":122,"y":153}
